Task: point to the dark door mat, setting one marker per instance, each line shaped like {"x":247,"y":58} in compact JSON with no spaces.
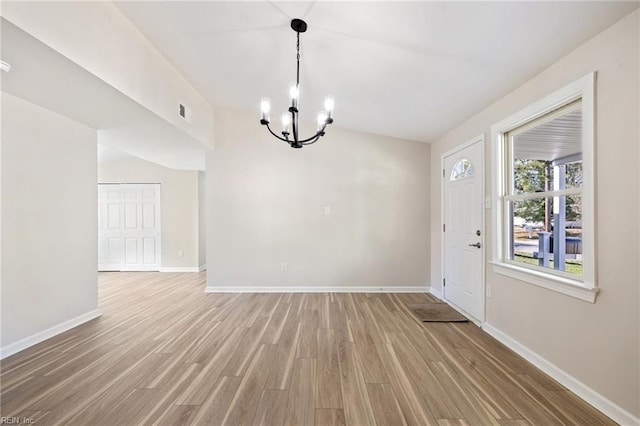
{"x":436,"y":312}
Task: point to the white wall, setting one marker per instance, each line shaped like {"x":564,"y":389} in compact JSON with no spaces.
{"x":202,"y":221}
{"x":179,"y":205}
{"x":49,"y":221}
{"x":266,"y":205}
{"x":597,"y":344}
{"x":99,"y":38}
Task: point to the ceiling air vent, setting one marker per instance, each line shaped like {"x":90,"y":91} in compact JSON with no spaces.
{"x":184,"y":112}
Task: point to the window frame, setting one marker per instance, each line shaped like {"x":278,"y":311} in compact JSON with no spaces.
{"x":584,"y":288}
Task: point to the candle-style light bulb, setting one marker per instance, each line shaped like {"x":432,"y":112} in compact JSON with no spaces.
{"x":286,"y":121}
{"x":322,"y":120}
{"x":294,"y":95}
{"x":265,"y":108}
{"x":329,"y":104}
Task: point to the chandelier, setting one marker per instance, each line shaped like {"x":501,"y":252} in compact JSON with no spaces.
{"x":290,"y":126}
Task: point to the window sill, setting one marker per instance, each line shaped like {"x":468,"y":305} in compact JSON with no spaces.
{"x":562,"y":285}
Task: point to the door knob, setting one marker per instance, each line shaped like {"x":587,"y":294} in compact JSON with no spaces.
{"x":476,"y":245}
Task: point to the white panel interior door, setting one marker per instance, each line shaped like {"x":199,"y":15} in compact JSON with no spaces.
{"x":110,"y":243}
{"x":463,"y":242}
{"x":132,"y":225}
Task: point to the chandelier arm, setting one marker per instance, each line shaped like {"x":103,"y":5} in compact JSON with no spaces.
{"x":312,"y":138}
{"x":315,"y":137}
{"x":311,"y":142}
{"x":281,"y":138}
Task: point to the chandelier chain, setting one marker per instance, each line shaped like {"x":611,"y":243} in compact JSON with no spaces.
{"x":298,"y":60}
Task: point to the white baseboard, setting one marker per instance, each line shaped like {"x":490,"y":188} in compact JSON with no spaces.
{"x":329,"y":289}
{"x":617,"y":413}
{"x":180,"y":269}
{"x":202,"y":268}
{"x":50,"y":332}
{"x":436,"y":293}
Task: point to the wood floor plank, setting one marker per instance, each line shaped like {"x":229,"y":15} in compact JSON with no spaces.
{"x":383,"y":317}
{"x":202,"y":385}
{"x":245,"y":349}
{"x":440,"y":403}
{"x":130,"y":410}
{"x":389,"y":301}
{"x":444,"y":332}
{"x":452,"y":422}
{"x":311,"y":301}
{"x":465,"y":372}
{"x":272,"y":408}
{"x":505,"y":384}
{"x":329,"y":417}
{"x":376,"y":331}
{"x":281,"y":370}
{"x":245,"y":402}
{"x":301,"y":406}
{"x":308,"y":337}
{"x":328,"y":385}
{"x":176,"y":383}
{"x":215,"y":407}
{"x":506,"y":359}
{"x":357,"y":406}
{"x":166,"y":353}
{"x":324,"y":300}
{"x":339,"y":323}
{"x":372,"y":367}
{"x":95,"y":410}
{"x":413,"y":408}
{"x":541,"y":395}
{"x":514,"y":422}
{"x":351,"y":307}
{"x":386,"y":409}
{"x":178,"y":415}
{"x":575,"y":409}
{"x":75,"y":390}
{"x":276,"y":324}
{"x":13,"y":401}
{"x":473,"y":408}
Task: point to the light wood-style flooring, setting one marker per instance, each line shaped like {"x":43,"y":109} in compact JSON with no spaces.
{"x":166,"y":353}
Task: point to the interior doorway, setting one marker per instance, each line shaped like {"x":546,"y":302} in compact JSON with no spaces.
{"x":129,"y":227}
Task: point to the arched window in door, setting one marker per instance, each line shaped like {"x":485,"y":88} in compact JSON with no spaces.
{"x":462,"y":169}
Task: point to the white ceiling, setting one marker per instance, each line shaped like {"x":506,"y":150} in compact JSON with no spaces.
{"x":412,"y":70}
{"x":42,"y":76}
{"x":107,"y":154}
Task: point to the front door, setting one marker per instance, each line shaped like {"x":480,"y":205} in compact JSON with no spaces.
{"x":463,"y":176}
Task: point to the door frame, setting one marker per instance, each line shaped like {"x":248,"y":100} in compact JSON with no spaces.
{"x":486,"y":204}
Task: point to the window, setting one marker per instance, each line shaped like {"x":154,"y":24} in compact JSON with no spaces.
{"x":544,"y":188}
{"x":462,"y":169}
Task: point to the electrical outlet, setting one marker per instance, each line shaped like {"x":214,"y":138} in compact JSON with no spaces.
{"x":489,"y":291}
{"x":180,"y":253}
{"x":284,"y":267}
{"x":327,"y":210}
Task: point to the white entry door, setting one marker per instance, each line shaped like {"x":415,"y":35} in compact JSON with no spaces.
{"x":129,"y":227}
{"x":463,"y":229}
